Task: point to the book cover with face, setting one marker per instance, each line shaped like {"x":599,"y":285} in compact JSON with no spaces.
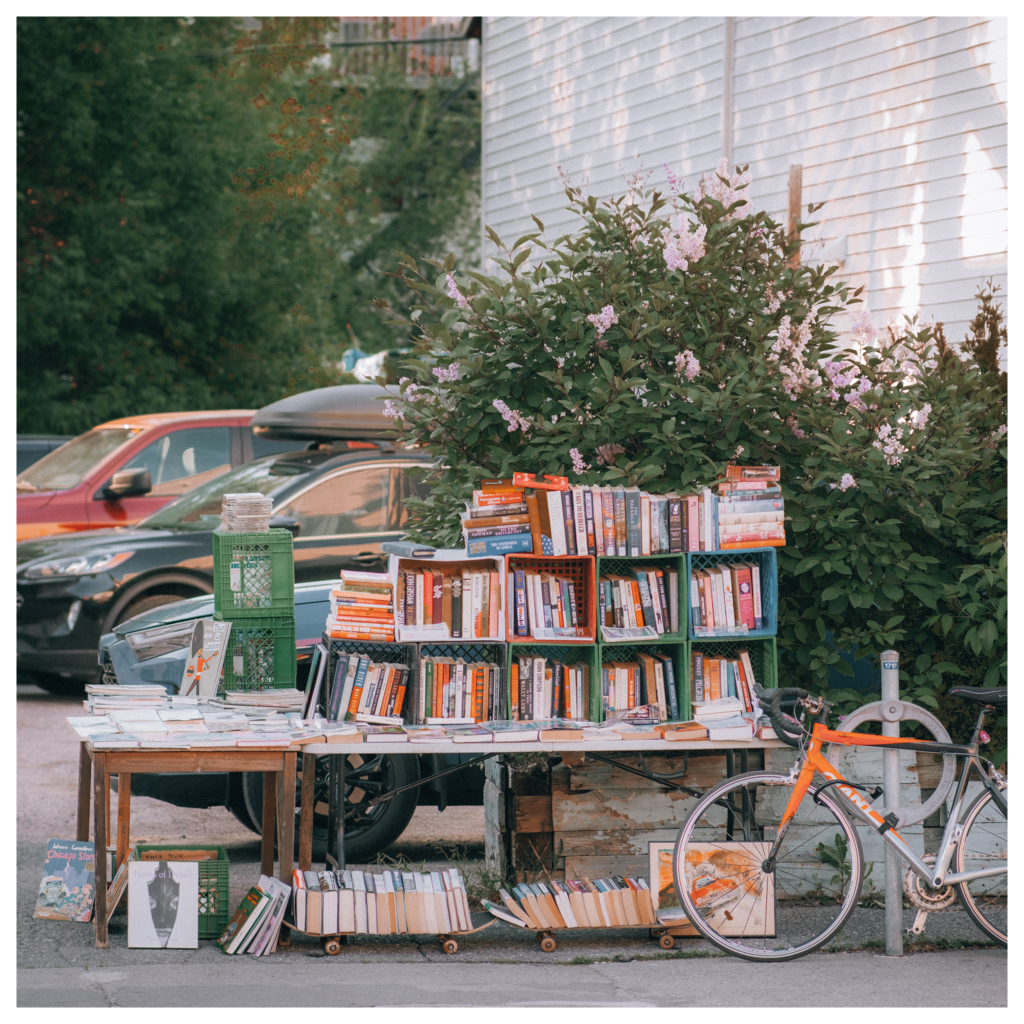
{"x":163,"y":905}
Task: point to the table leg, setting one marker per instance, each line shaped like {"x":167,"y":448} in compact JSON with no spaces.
{"x":124,"y":816}
{"x":101,"y":786}
{"x":84,"y":791}
{"x":306,"y":812}
{"x":267,"y":823}
{"x":286,"y":819}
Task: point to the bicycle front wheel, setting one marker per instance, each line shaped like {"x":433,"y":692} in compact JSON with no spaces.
{"x":983,"y":845}
{"x":754,"y":906}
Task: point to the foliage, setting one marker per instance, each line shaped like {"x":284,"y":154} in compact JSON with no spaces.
{"x":837,"y":856}
{"x":153,"y":272}
{"x":672,"y":334}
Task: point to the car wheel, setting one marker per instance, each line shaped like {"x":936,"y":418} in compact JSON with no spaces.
{"x":146,"y":604}
{"x":60,"y":686}
{"x":368,"y":830}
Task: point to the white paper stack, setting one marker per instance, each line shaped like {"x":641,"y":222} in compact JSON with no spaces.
{"x":248,"y":512}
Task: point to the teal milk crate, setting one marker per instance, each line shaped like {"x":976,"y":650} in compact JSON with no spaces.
{"x":253,"y":574}
{"x":261,"y":653}
{"x":214,"y":910}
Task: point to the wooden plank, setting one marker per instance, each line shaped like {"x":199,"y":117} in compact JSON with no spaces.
{"x":84,"y":791}
{"x":286,"y":819}
{"x":100,"y":792}
{"x":494,"y":805}
{"x":124,"y":815}
{"x":593,"y":774}
{"x":237,"y":760}
{"x":267,"y":823}
{"x":306,"y":813}
{"x":533,"y":814}
{"x":618,"y":843}
{"x":611,"y":809}
{"x":600,"y":867}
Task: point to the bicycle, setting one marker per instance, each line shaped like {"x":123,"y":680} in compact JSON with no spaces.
{"x":749,"y":859}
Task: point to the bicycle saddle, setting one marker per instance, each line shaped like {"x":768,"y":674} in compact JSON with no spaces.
{"x":995,"y":696}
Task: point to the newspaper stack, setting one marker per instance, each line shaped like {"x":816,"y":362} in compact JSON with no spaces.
{"x":245,"y":513}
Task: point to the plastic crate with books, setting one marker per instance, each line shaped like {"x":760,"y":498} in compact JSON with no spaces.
{"x":552,"y":599}
{"x":732,"y":593}
{"x":460,"y":682}
{"x":261,"y":653}
{"x":214,"y":879}
{"x":645,"y":673}
{"x":369,"y":681}
{"x":639,"y":600}
{"x":549,"y":681}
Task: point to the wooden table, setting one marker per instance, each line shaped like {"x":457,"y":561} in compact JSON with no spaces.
{"x":96,"y":766}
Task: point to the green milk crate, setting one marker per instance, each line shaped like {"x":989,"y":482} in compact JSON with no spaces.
{"x":261,"y":653}
{"x":253,"y":574}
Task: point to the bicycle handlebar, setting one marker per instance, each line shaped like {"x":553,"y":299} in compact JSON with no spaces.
{"x":782,"y":723}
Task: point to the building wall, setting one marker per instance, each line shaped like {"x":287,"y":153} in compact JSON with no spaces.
{"x":899,"y":123}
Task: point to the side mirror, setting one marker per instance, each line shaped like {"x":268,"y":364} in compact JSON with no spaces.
{"x":128,"y":483}
{"x":286,"y":523}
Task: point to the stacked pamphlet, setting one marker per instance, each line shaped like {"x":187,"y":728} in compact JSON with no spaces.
{"x":248,"y":512}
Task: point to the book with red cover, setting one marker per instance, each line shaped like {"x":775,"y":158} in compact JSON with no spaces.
{"x":742,"y":589}
{"x":753,"y":472}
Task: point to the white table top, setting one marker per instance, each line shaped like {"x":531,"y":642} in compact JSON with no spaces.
{"x":544,"y":746}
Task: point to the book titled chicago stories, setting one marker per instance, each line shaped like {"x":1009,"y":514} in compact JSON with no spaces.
{"x":69,"y":881}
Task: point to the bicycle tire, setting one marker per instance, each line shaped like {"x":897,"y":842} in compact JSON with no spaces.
{"x":802,"y":912}
{"x":985,"y":899}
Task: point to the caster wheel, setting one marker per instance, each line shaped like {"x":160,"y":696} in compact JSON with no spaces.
{"x":450,"y":946}
{"x":332,"y":947}
{"x":285,"y":936}
{"x":667,"y":942}
{"x":548,"y":944}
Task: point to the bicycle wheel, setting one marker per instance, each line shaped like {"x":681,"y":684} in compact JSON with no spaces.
{"x":752,"y":908}
{"x":982,"y":845}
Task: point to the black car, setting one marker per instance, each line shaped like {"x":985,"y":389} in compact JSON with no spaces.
{"x":340,"y":500}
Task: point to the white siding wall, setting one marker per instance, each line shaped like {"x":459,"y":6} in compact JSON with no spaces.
{"x":899,"y":123}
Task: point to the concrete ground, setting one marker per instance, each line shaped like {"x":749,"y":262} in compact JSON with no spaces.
{"x":60,"y":966}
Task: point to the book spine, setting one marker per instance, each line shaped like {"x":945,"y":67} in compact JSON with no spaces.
{"x":697,"y":677}
{"x":670,"y":687}
{"x":568,"y":521}
{"x":646,"y":612}
{"x":675,"y":525}
{"x":695,"y":616}
{"x":495,"y":531}
{"x":478,"y":512}
{"x":645,"y":524}
{"x":746,"y":508}
{"x":357,"y":687}
{"x":620,"y":522}
{"x":579,"y":520}
{"x":519,"y":543}
{"x":633,"y":536}
{"x":557,"y":521}
{"x":588,"y":513}
{"x":522,"y":626}
{"x":533,"y":509}
{"x":608,"y":521}
{"x":673,"y":600}
{"x":755,"y":593}
{"x":601,"y":609}
{"x":693,"y":523}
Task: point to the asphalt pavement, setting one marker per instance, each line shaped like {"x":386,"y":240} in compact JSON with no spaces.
{"x":58,"y":964}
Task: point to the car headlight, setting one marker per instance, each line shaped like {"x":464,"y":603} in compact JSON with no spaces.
{"x":151,"y":643}
{"x":76,"y":565}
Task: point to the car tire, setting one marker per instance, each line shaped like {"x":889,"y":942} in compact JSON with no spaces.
{"x":59,"y":686}
{"x":368,"y":831}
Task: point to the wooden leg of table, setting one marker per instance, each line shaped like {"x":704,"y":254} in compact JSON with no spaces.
{"x":268,"y":822}
{"x":124,"y":816}
{"x":306,"y":813}
{"x":101,"y":786}
{"x":84,"y":791}
{"x":108,"y":803}
{"x":286,"y":819}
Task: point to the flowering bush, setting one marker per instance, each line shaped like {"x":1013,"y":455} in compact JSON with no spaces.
{"x":672,"y":334}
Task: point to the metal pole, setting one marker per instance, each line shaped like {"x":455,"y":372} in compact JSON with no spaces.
{"x":891,"y":784}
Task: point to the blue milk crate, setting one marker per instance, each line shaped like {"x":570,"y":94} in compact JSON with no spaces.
{"x":765,"y":559}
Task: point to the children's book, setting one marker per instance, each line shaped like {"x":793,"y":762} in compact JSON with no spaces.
{"x":69,"y":881}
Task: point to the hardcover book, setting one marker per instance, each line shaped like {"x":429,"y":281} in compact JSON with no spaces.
{"x":163,"y":905}
{"x":68,"y":886}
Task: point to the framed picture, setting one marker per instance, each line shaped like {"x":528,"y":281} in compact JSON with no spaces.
{"x":163,"y":905}
{"x":725,"y":880}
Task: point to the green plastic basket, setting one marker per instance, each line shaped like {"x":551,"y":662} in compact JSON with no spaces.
{"x":763,"y":656}
{"x":678,"y":651}
{"x":566,"y":653}
{"x":261,"y":653}
{"x":214,"y":893}
{"x":253,"y":574}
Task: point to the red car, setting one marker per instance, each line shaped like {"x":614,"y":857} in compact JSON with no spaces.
{"x":124,"y":470}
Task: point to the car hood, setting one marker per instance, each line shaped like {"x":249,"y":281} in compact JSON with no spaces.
{"x":117,"y":539}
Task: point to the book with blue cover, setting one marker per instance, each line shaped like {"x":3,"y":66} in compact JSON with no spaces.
{"x":68,"y":887}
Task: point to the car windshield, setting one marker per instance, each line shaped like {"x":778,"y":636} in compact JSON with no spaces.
{"x":200,"y":508}
{"x":69,"y":465}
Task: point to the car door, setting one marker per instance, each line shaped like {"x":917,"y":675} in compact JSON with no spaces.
{"x":176,"y":461}
{"x":346,"y":515}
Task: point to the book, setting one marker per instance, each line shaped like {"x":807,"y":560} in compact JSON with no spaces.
{"x":68,"y":885}
{"x":163,"y":905}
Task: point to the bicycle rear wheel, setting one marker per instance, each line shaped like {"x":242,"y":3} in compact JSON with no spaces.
{"x":748,"y":906}
{"x":982,"y":845}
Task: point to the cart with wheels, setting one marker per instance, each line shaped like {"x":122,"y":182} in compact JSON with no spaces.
{"x":449,"y":941}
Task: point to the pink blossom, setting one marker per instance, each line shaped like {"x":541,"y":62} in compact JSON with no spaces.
{"x":773,"y":299}
{"x":579,"y":467}
{"x":446,"y":376}
{"x":390,"y":410}
{"x":853,"y":397}
{"x":791,"y":422}
{"x":606,"y":453}
{"x":454,"y":293}
{"x":682,"y":246}
{"x":864,"y":331}
{"x":686,"y":362}
{"x":846,"y":482}
{"x":888,"y":443}
{"x":674,"y":183}
{"x":711,"y":186}
{"x":514,"y":420}
{"x":919,"y":417}
{"x":739,"y":450}
{"x":603,"y":320}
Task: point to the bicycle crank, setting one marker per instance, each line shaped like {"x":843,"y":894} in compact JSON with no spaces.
{"x":925,"y":898}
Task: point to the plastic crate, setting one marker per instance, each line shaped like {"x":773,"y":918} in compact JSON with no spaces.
{"x":214,"y":893}
{"x":607,"y":565}
{"x":376,"y":651}
{"x":766,"y":561}
{"x":468,"y":650}
{"x":261,"y":653}
{"x":763,"y":657}
{"x":581,"y":570}
{"x":253,"y":574}
{"x":679,"y":652}
{"x":569,"y":654}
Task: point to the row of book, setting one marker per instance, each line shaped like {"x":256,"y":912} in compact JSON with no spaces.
{"x":544,"y":688}
{"x":646,"y":679}
{"x":726,"y":599}
{"x":644,"y":603}
{"x":366,"y":691}
{"x":256,"y":926}
{"x":382,"y":903}
{"x":604,"y":903}
{"x":362,"y":607}
{"x":454,"y":690}
{"x":547,"y":606}
{"x":713,"y":678}
{"x":466,"y":600}
{"x":747,"y":513}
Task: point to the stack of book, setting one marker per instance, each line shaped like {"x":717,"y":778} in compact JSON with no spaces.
{"x":380,"y":903}
{"x":256,"y":926}
{"x":644,"y":603}
{"x":362,"y":607}
{"x":749,"y":509}
{"x":498,"y":521}
{"x":725,"y":599}
{"x":714,"y":678}
{"x":644,"y":679}
{"x":548,"y":606}
{"x":605,"y":903}
{"x":467,"y":601}
{"x":248,"y":512}
{"x":363,"y":690}
{"x":546,"y":688}
{"x":453,"y":691}
{"x":725,"y":718}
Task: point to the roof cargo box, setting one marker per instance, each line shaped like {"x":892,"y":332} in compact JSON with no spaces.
{"x":346,"y":411}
